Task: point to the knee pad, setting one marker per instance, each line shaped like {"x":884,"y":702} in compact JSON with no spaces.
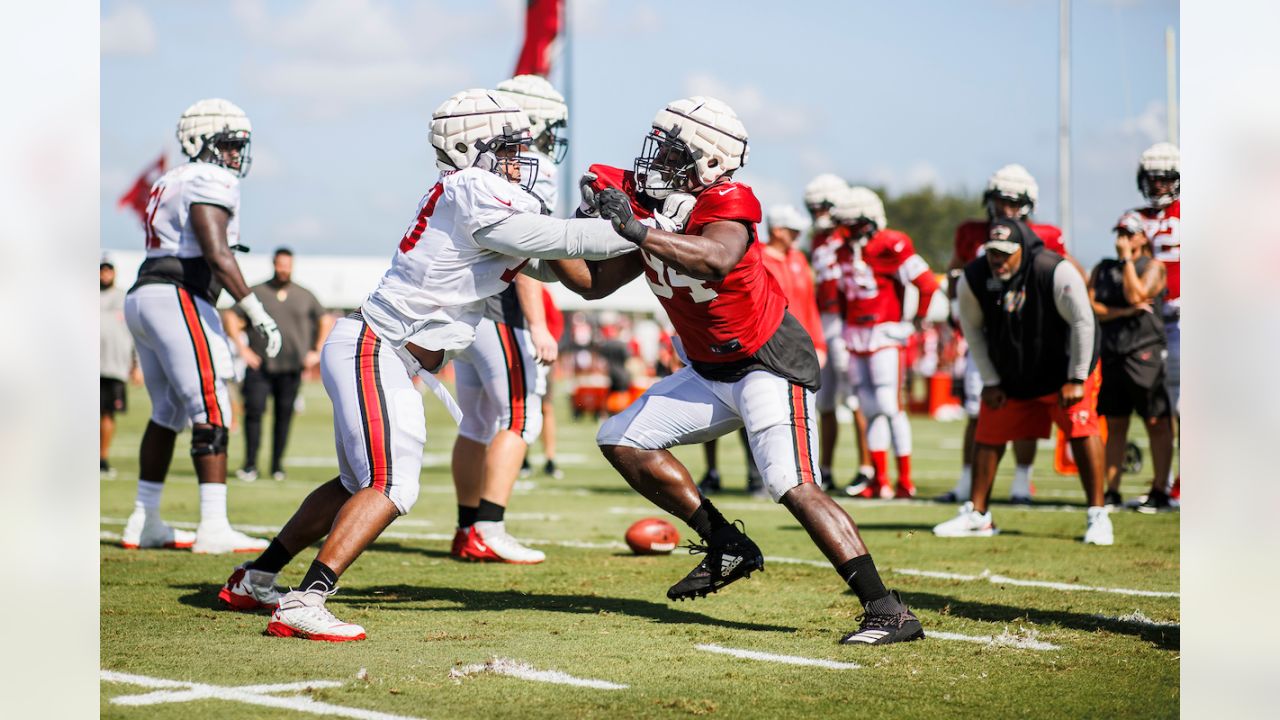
{"x":208,"y":440}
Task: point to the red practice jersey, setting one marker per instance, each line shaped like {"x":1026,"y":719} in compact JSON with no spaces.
{"x":972,"y":235}
{"x":873,"y":280}
{"x":825,"y":245}
{"x":796,"y":280}
{"x":1163,"y":228}
{"x":608,"y":176}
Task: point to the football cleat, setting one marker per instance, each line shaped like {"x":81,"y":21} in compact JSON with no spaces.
{"x":225,"y":539}
{"x":1112,"y":499}
{"x":550,"y":469}
{"x":860,"y":486}
{"x":1156,"y":502}
{"x":728,"y":558}
{"x":905,"y":491}
{"x":145,"y":531}
{"x":248,"y":590}
{"x":1019,"y":499}
{"x":459,"y":542}
{"x":884,"y":628}
{"x":885,"y":491}
{"x":247,"y":474}
{"x":1098,"y":530}
{"x":302,"y":614}
{"x":490,"y":542}
{"x":278,"y":475}
{"x":967,"y":523}
{"x":710,"y":483}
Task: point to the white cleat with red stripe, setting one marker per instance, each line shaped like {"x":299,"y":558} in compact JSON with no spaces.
{"x":215,"y":540}
{"x":490,"y":542}
{"x":144,"y":530}
{"x":247,"y":590}
{"x":302,"y":614}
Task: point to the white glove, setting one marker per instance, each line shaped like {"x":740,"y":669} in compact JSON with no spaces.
{"x":263,"y":323}
{"x":677,"y":207}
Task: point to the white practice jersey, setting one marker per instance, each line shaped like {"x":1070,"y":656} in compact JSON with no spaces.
{"x":434,"y":292}
{"x":168,"y":224}
{"x":544,"y":186}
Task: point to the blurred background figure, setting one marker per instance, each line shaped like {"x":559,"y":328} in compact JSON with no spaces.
{"x":1127,"y":293}
{"x":304,"y":324}
{"x":789,"y":267}
{"x":117,"y":360}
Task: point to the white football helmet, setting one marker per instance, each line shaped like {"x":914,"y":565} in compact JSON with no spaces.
{"x":819,"y":197}
{"x":859,"y":205}
{"x":473,"y":126}
{"x":1015,"y":184}
{"x":217,"y":131}
{"x":1161,"y":161}
{"x":694,"y":142}
{"x":548,"y":115}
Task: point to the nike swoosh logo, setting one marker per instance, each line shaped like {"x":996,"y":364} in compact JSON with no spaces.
{"x":481,"y":546}
{"x":898,"y":247}
{"x":725,"y":191}
{"x":504,"y":202}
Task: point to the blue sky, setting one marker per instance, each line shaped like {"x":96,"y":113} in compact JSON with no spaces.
{"x":340,"y":94}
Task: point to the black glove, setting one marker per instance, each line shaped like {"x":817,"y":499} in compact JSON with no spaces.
{"x":616,"y":208}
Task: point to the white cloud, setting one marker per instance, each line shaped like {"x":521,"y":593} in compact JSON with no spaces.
{"x":128,"y":30}
{"x":1151,"y":124}
{"x":764,"y":117}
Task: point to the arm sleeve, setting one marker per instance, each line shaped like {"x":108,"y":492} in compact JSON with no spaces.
{"x":916,"y":271}
{"x":971,"y":322}
{"x":541,"y":236}
{"x":1072,"y":301}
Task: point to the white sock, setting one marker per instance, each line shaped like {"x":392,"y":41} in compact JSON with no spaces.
{"x":148,"y":499}
{"x":866,"y":471}
{"x":1022,"y":481}
{"x":964,"y":486}
{"x":489,"y":527}
{"x":213,"y":504}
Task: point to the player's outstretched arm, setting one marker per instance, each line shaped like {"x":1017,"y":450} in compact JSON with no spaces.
{"x":594,"y":280}
{"x":711,"y":255}
{"x":210,"y":225}
{"x":547,"y":238}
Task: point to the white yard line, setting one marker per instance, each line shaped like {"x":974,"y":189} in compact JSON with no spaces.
{"x":517,"y":669}
{"x":1004,"y":639}
{"x":176,"y":691}
{"x":785,"y":659}
{"x":1137,"y":618}
{"x":1002,"y":580}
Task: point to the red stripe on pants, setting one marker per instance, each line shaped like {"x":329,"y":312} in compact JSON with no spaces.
{"x":373,"y":409}
{"x":800,"y":429}
{"x":204,"y":360}
{"x":515,"y":377}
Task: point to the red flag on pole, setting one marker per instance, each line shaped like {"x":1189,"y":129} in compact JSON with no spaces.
{"x":541,"y":28}
{"x":136,"y":197}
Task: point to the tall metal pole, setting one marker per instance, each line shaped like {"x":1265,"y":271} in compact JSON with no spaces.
{"x":1064,"y":121}
{"x":568,"y":180}
{"x":1171,"y":71}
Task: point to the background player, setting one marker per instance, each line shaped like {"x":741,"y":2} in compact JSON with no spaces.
{"x":192,"y":225}
{"x":464,"y":245}
{"x":750,"y":361}
{"x":502,"y":376}
{"x":1011,"y":193}
{"x":875,"y":265}
{"x":819,"y":198}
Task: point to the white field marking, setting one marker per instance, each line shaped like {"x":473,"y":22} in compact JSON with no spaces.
{"x":797,"y":561}
{"x":785,"y":659}
{"x":1004,"y":639}
{"x":540,"y":517}
{"x":175,"y":691}
{"x":1137,"y":618}
{"x":516,"y":669}
{"x":1002,"y":580}
{"x":414,"y":522}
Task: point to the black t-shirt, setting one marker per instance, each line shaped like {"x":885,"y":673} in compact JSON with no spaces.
{"x":1125,"y":335}
{"x":788,"y":354}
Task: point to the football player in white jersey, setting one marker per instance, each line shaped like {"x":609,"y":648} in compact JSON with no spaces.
{"x":475,"y":230}
{"x":192,"y":225}
{"x":502,"y":376}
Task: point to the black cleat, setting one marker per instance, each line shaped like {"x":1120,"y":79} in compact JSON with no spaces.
{"x":1156,"y":502}
{"x":882,"y":628}
{"x":710,"y":483}
{"x":1112,"y":499}
{"x":858,"y":485}
{"x":727,"y":559}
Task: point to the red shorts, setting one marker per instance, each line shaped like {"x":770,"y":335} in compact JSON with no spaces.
{"x":1030,"y":418}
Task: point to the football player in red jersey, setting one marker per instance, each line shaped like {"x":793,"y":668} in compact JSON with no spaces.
{"x":751,"y":363}
{"x":1011,"y":193}
{"x":819,"y":198}
{"x":1160,"y":180}
{"x":876,"y":264}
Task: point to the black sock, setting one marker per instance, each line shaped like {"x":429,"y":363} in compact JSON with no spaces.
{"x":489,"y":512}
{"x":707,"y":519}
{"x":466,"y":516}
{"x":863,"y":578}
{"x":319,"y":577}
{"x":273,"y":559}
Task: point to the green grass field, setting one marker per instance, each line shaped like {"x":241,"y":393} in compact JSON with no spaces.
{"x":594,"y":611}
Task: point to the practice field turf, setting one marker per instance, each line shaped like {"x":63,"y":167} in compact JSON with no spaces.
{"x":1029,"y":624}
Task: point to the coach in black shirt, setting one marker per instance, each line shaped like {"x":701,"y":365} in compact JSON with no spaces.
{"x":303,"y":326}
{"x":1127,"y":293}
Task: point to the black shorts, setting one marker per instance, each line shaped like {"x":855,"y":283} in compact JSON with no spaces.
{"x":113,"y":396}
{"x":1134,"y":383}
